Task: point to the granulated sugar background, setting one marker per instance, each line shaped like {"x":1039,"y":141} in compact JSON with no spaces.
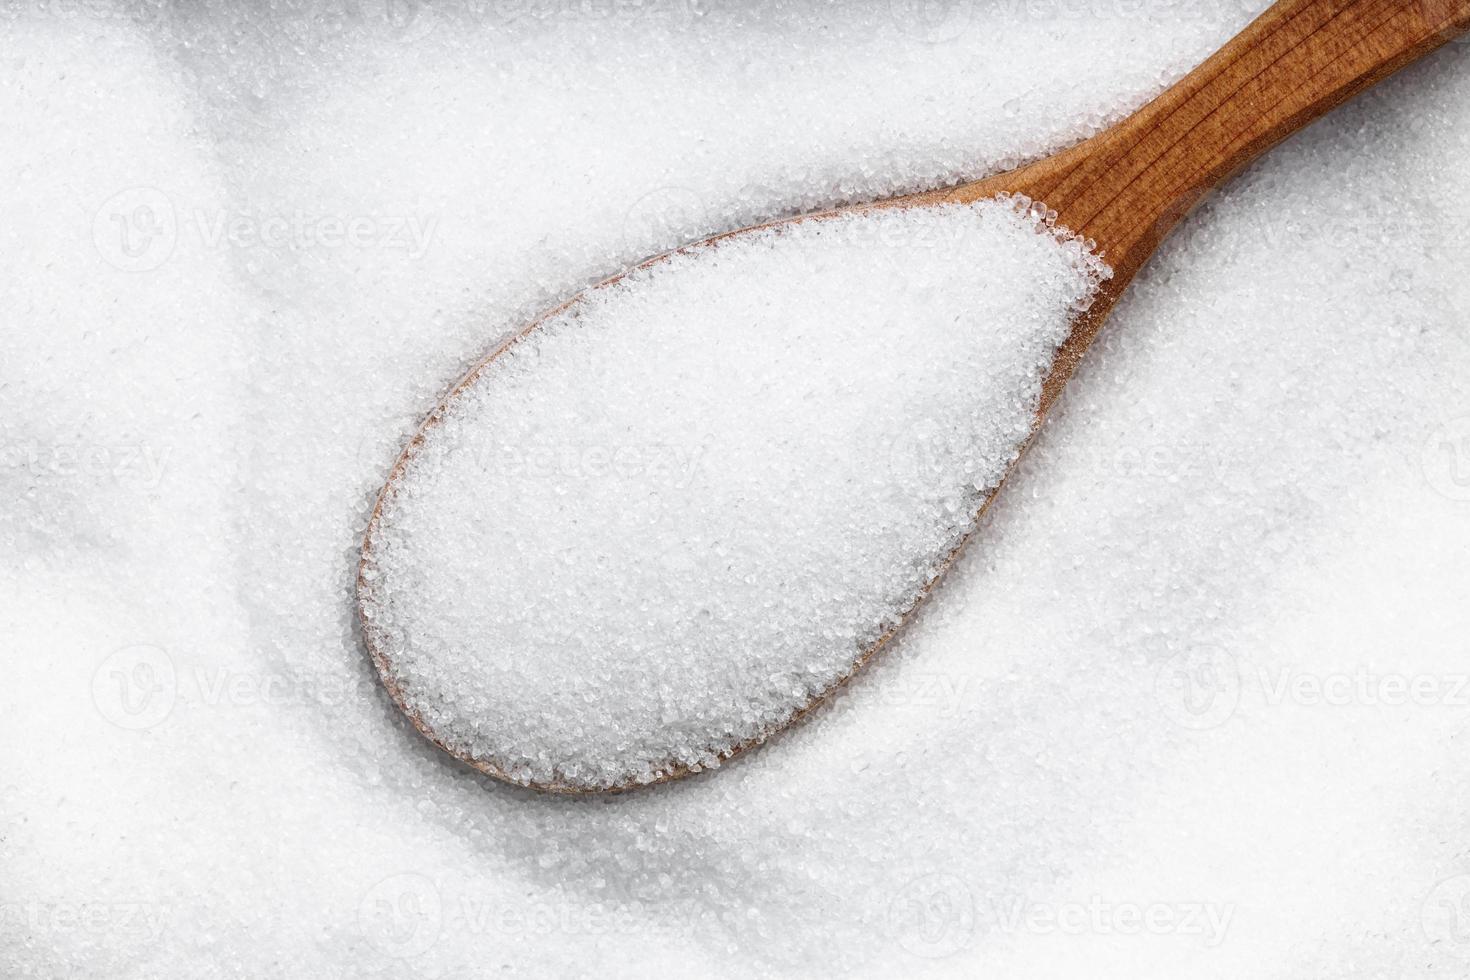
{"x":1194,"y":704}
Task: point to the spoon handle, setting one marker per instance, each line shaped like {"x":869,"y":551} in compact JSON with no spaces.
{"x":1127,"y":187}
{"x":1298,"y":61}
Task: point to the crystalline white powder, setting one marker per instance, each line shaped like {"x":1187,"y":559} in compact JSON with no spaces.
{"x":1258,"y":478}
{"x":662,"y":522}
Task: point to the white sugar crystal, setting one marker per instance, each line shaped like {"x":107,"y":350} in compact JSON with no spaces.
{"x":1258,"y":480}
{"x":671,"y":516}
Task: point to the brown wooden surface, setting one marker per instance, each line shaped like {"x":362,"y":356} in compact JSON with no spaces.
{"x":1129,"y":186}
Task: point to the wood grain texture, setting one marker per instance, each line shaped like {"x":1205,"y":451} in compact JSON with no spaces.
{"x":1125,"y":188}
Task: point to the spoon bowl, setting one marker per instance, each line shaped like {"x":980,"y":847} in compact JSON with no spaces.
{"x":1123,"y":191}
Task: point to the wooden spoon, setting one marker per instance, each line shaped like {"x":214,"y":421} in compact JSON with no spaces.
{"x":1125,"y":188}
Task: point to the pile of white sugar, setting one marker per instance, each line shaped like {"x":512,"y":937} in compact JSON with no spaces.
{"x":671,"y":516}
{"x":1192,"y":704}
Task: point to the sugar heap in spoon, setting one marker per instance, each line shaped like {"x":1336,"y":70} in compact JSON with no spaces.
{"x":662,"y":523}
